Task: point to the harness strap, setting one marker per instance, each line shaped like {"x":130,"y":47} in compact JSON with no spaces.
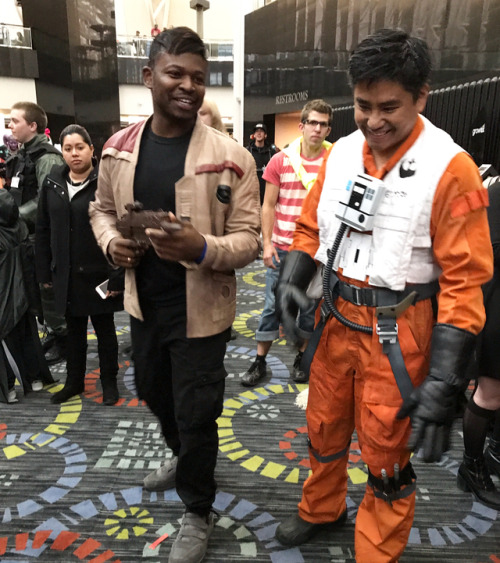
{"x":312,"y":345}
{"x":387,"y":330}
{"x":376,"y":297}
{"x":389,"y":306}
{"x":327,"y":458}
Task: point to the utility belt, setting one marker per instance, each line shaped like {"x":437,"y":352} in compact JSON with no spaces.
{"x":382,"y":297}
{"x":389,"y":305}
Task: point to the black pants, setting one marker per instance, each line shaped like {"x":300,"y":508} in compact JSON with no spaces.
{"x":25,"y":348}
{"x":107,"y":347}
{"x":182,"y":381}
{"x":262,"y":187}
{"x":55,"y":322}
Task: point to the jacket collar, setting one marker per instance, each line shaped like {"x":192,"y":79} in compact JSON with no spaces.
{"x":59,"y":174}
{"x":34,"y":143}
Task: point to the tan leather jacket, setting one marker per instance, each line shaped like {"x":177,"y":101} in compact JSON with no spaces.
{"x":231,"y":229}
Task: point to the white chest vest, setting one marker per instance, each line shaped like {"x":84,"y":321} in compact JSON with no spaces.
{"x":400,"y":247}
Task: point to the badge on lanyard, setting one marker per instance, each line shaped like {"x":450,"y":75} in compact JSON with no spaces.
{"x":14,"y":182}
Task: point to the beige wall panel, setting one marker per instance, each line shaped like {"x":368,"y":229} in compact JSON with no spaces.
{"x":287,"y":128}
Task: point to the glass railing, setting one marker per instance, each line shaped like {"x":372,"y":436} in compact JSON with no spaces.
{"x":219,"y":51}
{"x":136,"y":46}
{"x":133,"y":45}
{"x":15,"y":36}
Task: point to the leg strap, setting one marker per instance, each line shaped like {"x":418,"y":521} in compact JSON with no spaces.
{"x":327,"y":458}
{"x":390,"y":488}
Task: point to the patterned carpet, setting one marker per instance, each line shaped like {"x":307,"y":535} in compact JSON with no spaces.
{"x":71,"y":475}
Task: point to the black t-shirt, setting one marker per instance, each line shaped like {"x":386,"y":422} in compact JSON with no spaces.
{"x":160,"y":165}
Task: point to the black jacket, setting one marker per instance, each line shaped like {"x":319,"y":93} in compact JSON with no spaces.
{"x":262,"y":155}
{"x":66,"y":252}
{"x":13,"y":232}
{"x":37,"y":153}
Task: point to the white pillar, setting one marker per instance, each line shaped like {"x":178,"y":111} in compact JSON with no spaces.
{"x":199,"y":22}
{"x":200,"y":6}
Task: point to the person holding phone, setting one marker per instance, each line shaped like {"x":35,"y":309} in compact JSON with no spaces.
{"x":68,"y":259}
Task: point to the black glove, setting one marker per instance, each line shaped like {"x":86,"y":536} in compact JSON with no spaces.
{"x":432,"y":406}
{"x":296,"y":272}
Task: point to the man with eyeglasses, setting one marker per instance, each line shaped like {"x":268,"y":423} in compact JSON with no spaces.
{"x":289,"y":176}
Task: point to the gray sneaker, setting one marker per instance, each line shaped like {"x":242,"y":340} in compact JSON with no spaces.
{"x":190,"y":545}
{"x":162,"y":478}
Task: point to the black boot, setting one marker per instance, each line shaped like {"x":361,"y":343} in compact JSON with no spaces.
{"x":67,"y":392}
{"x":298,"y":375}
{"x":110,"y":394}
{"x":75,"y":381}
{"x":296,"y":531}
{"x":492,"y":457}
{"x":47,"y":341}
{"x":473,"y":476}
{"x":57,"y":352}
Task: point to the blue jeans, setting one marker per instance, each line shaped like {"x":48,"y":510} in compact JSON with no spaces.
{"x":269,"y":324}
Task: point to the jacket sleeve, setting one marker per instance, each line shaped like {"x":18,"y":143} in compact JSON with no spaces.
{"x":116,"y":279}
{"x":45,"y":164}
{"x":459,"y":231}
{"x":306,"y":236}
{"x":241,"y":242}
{"x":43,"y":253}
{"x":102,"y":211}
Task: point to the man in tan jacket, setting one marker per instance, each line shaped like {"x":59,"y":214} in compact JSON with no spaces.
{"x":181,"y":290}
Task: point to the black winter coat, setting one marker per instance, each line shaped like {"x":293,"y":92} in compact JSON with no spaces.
{"x":262,"y":155}
{"x":66,"y":252}
{"x":13,"y":300}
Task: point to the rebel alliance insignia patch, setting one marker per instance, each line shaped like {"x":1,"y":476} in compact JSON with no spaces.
{"x":407,"y":168}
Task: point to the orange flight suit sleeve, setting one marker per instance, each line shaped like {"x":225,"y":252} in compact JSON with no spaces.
{"x":460,"y":235}
{"x":306,"y":235}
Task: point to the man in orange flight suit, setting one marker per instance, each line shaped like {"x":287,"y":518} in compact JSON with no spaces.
{"x":430,"y":236}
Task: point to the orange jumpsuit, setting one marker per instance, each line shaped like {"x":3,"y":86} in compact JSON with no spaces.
{"x":351,"y":382}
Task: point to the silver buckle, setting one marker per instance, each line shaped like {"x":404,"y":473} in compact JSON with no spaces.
{"x":387,"y":336}
{"x":356,"y":295}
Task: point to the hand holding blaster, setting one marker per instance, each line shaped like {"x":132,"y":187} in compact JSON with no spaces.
{"x":133,"y":224}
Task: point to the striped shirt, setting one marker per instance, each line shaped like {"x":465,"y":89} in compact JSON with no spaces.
{"x":291,"y":194}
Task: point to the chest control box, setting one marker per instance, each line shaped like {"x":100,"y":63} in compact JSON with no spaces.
{"x":360,"y":201}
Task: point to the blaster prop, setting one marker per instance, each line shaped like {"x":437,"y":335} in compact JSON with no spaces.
{"x":134,"y":223}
